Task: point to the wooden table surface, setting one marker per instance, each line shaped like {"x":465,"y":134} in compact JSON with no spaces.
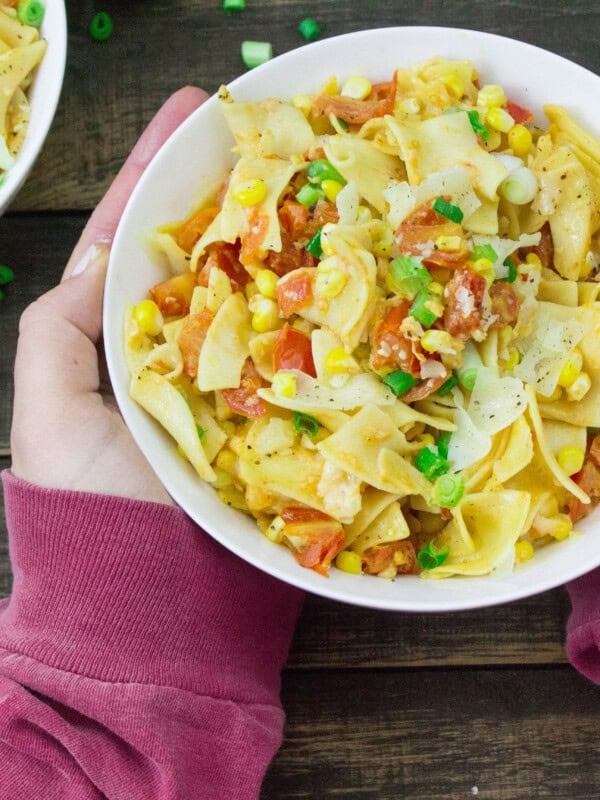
{"x":379,"y":705}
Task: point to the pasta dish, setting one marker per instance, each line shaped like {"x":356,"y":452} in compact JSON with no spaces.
{"x":380,"y":336}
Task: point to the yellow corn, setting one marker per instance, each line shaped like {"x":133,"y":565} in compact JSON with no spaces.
{"x":494,"y":140}
{"x":222,"y":480}
{"x":330,"y":283}
{"x":426,"y":440}
{"x":499,"y":119}
{"x":534,"y":260}
{"x":551,"y":398}
{"x":579,"y":388}
{"x":519,"y":140}
{"x":226,"y":460}
{"x":331,"y":189}
{"x":250,"y":289}
{"x":266,"y":283}
{"x":524,"y":550}
{"x":326,"y":246}
{"x":485,"y":268}
{"x":274,"y":532}
{"x":570,"y":458}
{"x":265,"y":313}
{"x":571,"y":369}
{"x":356,"y":87}
{"x":454,"y":84}
{"x":337,"y":361}
{"x":330,"y":87}
{"x":382,"y":237}
{"x":562,"y":528}
{"x":436,"y":288}
{"x":491,"y":96}
{"x":347,"y":561}
{"x":148,"y":317}
{"x":514,"y":358}
{"x":303,"y":103}
{"x":284,"y":384}
{"x":250,"y":193}
{"x":449,"y":244}
{"x":438,"y":342}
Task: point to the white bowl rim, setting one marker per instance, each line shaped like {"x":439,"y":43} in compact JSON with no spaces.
{"x":453,"y":594}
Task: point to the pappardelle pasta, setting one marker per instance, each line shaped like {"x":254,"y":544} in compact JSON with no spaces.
{"x":21,"y":51}
{"x":381,"y":337}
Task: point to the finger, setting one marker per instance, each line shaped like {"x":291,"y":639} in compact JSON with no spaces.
{"x":104,"y":220}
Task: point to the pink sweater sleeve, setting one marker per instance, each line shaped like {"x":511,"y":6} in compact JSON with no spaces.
{"x":138,"y":658}
{"x":583,"y":630}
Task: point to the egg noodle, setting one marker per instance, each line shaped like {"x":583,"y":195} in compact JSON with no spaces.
{"x":21,"y":51}
{"x":381,"y":337}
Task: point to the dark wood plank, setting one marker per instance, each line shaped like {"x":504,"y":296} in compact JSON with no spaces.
{"x":159,"y":46}
{"x":438,"y":735}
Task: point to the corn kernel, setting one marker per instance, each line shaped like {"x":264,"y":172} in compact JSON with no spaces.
{"x":274,"y":532}
{"x":148,"y":316}
{"x":524,"y":551}
{"x":266,"y":283}
{"x":520,"y":140}
{"x":330,"y":87}
{"x":579,"y":388}
{"x":571,"y":369}
{"x":382,"y":237}
{"x":491,"y":95}
{"x":570,"y":459}
{"x":347,"y":561}
{"x":265,"y":313}
{"x":426,"y":440}
{"x":303,"y":103}
{"x":454,"y":84}
{"x":222,"y":480}
{"x":499,"y":119}
{"x":514,"y":358}
{"x":338,"y":361}
{"x":449,"y":244}
{"x":356,"y":87}
{"x":551,"y":398}
{"x":534,"y":260}
{"x":250,"y":193}
{"x":485,"y":268}
{"x":250,"y":289}
{"x":326,"y":246}
{"x":331,"y":189}
{"x":436,"y":288}
{"x":438,"y":342}
{"x":562,"y":528}
{"x":330,"y":283}
{"x":226,"y":460}
{"x":284,"y":384}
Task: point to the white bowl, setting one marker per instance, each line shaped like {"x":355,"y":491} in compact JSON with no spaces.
{"x":43,"y":95}
{"x":199,"y":152}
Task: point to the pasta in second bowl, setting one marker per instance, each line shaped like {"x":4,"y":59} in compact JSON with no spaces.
{"x":31,"y":81}
{"x":404,"y":390}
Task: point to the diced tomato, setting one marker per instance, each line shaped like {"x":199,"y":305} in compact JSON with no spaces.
{"x":594,"y":452}
{"x":191,"y":338}
{"x":293,"y":217}
{"x":227,"y":258}
{"x":253,"y":240}
{"x":320,"y":215}
{"x":193,"y":228}
{"x":588,"y":478}
{"x":291,"y":256}
{"x":468,"y":307}
{"x":379,"y":103}
{"x":545,"y":249}
{"x":400,"y":555}
{"x":505,"y":304}
{"x":314,"y":538}
{"x":294,"y":293}
{"x":417,"y":233}
{"x":244,"y":399}
{"x":423,"y":389}
{"x":174,"y":295}
{"x":292,"y":350}
{"x":390,"y":347}
{"x":518,"y":113}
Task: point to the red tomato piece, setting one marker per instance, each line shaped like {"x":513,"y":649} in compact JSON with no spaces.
{"x":244,"y":399}
{"x":518,"y":113}
{"x":390,"y":348}
{"x":225,"y":257}
{"x":379,"y":103}
{"x":292,"y":350}
{"x":174,"y":295}
{"x":314,"y":538}
{"x":193,"y":228}
{"x":191,"y":338}
{"x":417,"y":233}
{"x":382,"y":556}
{"x":294,"y":293}
{"x":253,"y":239}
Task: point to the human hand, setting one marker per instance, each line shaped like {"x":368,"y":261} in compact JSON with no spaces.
{"x":65,"y":433}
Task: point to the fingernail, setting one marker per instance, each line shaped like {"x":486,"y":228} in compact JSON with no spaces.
{"x":96,"y":254}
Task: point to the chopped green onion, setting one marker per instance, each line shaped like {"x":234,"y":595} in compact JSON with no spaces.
{"x":409,"y":275}
{"x":431,"y":463}
{"x":343,"y":124}
{"x":314,"y":246}
{"x":309,"y":29}
{"x":201,"y":432}
{"x":448,"y":385}
{"x":520,"y":187}
{"x":309,"y":195}
{"x":256,"y":53}
{"x":467,"y":378}
{"x":420,"y":309}
{"x":447,"y":209}
{"x":432,"y":556}
{"x":400,"y":381}
{"x":484,"y":251}
{"x":101,"y":26}
{"x":512,"y":270}
{"x":233,"y":5}
{"x":321,"y":170}
{"x":304,"y":423}
{"x":6,"y":275}
{"x":31,"y":12}
{"x":443,"y":444}
{"x":477,"y":126}
{"x":448,"y":490}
